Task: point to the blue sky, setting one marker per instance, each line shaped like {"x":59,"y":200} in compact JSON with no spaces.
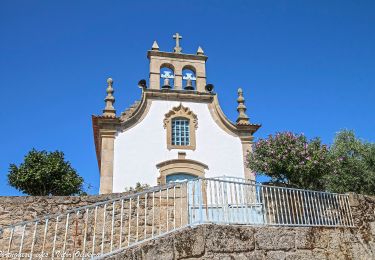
{"x":304,"y":66}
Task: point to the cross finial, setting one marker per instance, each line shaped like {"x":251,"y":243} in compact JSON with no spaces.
{"x":178,"y":48}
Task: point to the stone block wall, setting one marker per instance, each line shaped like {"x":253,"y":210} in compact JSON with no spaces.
{"x":245,"y":242}
{"x":225,"y":241}
{"x":23,"y":208}
{"x":93,"y":230}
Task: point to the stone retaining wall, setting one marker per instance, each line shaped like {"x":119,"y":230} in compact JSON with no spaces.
{"x":22,"y":208}
{"x":225,"y":242}
{"x":245,"y":242}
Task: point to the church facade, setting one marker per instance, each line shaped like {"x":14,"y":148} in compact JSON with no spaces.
{"x":177,"y":130}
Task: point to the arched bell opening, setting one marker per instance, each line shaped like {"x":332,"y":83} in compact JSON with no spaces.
{"x":166,"y":76}
{"x":189,"y":78}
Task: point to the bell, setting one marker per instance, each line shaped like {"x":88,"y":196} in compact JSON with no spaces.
{"x":189,"y":86}
{"x":166,"y":84}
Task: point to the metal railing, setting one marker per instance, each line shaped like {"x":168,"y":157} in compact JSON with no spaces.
{"x":232,"y":178}
{"x":108,"y":226}
{"x":100,"y":228}
{"x":233,"y":202}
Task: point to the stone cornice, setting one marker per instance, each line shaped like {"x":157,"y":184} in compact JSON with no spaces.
{"x":108,"y":133}
{"x":179,"y":95}
{"x":176,"y":55}
{"x":247,"y":138}
{"x":103,"y":127}
{"x":178,"y":161}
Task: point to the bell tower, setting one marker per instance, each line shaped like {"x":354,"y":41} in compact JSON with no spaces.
{"x":177,"y":70}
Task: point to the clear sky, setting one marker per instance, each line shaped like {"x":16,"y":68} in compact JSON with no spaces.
{"x":304,"y":66}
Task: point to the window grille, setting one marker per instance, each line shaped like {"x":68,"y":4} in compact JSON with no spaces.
{"x":180,"y":132}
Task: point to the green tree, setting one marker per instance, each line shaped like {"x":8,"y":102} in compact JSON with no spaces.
{"x":292,"y":160}
{"x":45,"y":173}
{"x":356,"y":168}
{"x":138,"y":187}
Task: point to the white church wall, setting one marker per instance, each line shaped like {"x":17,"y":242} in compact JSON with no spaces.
{"x":140,"y":148}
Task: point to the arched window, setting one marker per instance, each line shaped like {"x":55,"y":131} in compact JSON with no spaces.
{"x":180,"y":131}
{"x":166,"y":76}
{"x":180,"y":123}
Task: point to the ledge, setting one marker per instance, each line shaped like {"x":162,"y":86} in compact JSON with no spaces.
{"x":176,"y":55}
{"x":176,"y":161}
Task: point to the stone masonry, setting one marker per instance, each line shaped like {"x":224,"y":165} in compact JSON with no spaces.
{"x":244,"y":242}
{"x":225,"y":241}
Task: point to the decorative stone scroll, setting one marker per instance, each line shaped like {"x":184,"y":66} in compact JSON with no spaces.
{"x":181,"y":112}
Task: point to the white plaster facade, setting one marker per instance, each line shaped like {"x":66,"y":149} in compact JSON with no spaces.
{"x":139,"y":149}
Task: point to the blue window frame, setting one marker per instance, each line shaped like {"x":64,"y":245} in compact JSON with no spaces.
{"x":180,"y":131}
{"x":180,"y":176}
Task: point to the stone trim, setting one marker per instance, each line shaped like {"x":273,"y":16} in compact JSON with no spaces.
{"x":138,"y":115}
{"x":100,"y":124}
{"x":178,"y":61}
{"x":181,"y":112}
{"x":174,"y":55}
{"x":170,"y":167}
{"x":179,"y":95}
{"x":224,"y":123}
{"x":107,"y":155}
{"x":247,"y":148}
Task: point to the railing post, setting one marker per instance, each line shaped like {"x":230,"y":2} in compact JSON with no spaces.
{"x":200,"y":200}
{"x":189,"y":210}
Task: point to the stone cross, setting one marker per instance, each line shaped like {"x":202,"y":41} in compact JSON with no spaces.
{"x":177,"y":49}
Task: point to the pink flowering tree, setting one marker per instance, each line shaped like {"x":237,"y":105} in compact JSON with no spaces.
{"x":292,"y":160}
